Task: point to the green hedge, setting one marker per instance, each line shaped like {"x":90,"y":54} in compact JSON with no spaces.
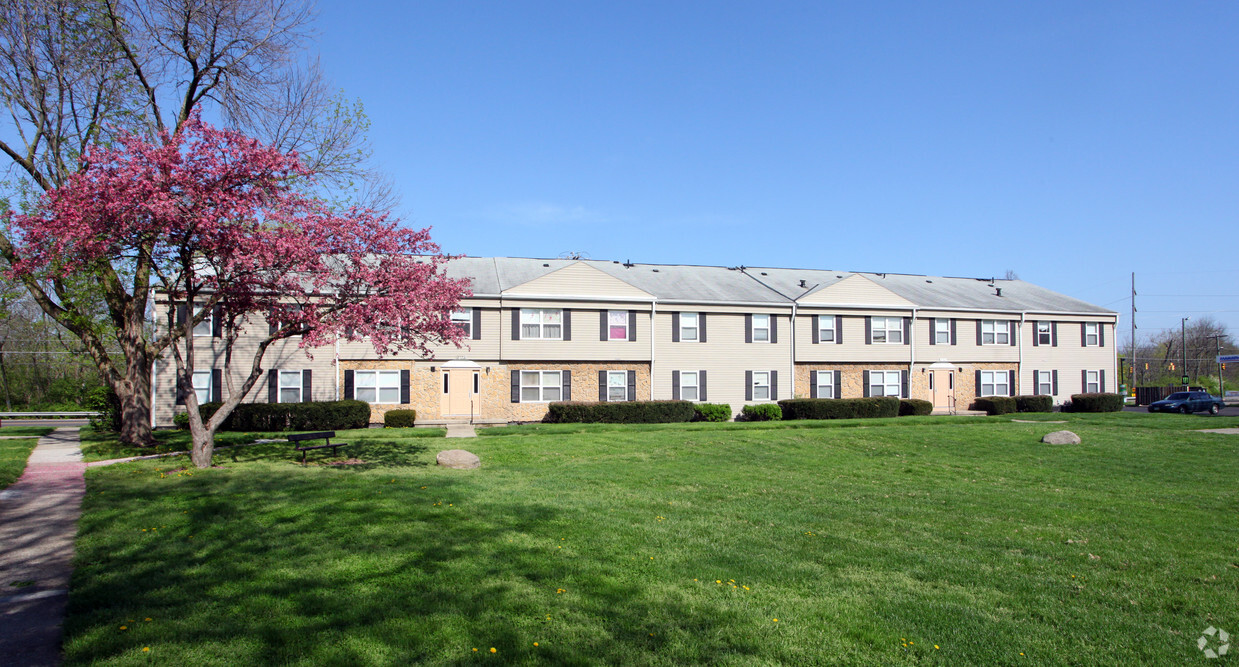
{"x":840,"y":408}
{"x":914,"y":407}
{"x":318,"y":416}
{"x":712,"y":412}
{"x":1034,"y":403}
{"x":625,"y":412}
{"x":763,"y":412}
{"x":995,"y":405}
{"x":400,"y":419}
{"x":1096,"y":403}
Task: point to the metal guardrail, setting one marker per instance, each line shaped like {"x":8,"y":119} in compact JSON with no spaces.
{"x":69,"y":415}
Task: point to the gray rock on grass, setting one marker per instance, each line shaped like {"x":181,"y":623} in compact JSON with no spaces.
{"x":459,"y":459}
{"x":1061,"y":438}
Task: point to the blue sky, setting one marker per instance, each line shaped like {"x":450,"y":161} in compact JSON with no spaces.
{"x":1072,"y":143}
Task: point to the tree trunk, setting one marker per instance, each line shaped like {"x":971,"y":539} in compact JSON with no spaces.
{"x":134,"y":392}
{"x":204,"y":447}
{"x":4,"y":376}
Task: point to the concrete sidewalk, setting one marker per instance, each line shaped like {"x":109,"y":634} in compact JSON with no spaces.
{"x":38,"y":523}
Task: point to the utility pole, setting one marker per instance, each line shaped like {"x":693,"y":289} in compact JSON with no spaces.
{"x":1217,"y":338}
{"x":1183,"y":344}
{"x":1132,"y":377}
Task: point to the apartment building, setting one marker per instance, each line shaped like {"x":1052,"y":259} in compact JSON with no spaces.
{"x":545,"y":330}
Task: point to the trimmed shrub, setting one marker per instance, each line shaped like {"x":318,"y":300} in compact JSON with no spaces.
{"x":624,"y":412}
{"x":181,"y":421}
{"x":995,"y":405}
{"x":914,"y":407}
{"x":1034,"y":403}
{"x":840,"y":408}
{"x":1096,"y":402}
{"x":711,"y":412}
{"x":763,"y":412}
{"x":399,"y":418}
{"x":318,"y":416}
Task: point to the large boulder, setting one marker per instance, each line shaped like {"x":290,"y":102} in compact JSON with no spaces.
{"x":463,"y":460}
{"x":1061,"y":438}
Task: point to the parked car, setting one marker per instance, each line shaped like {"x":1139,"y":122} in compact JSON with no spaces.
{"x":1187,"y":402}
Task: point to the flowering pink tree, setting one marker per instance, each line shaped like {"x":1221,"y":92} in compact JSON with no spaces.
{"x":211,"y":218}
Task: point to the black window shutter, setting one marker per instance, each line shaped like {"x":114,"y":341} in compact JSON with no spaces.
{"x":952,"y":331}
{"x":271,"y":328}
{"x":603,"y":334}
{"x":217,"y":321}
{"x":1101,"y":334}
{"x":701,"y":327}
{"x":1010,"y":383}
{"x":1083,"y":382}
{"x":868,"y":331}
{"x":404,"y":386}
{"x":774,"y":329}
{"x":675,"y":385}
{"x":813,"y":378}
{"x":180,"y":394}
{"x":817,"y":335}
{"x":903,"y":384}
{"x":748,"y":328}
{"x":476,"y":334}
{"x":1101,"y":374}
{"x":632,"y":325}
{"x":675,"y":327}
{"x":1036,"y":337}
{"x":182,"y":313}
{"x":217,"y":385}
{"x":567,"y":376}
{"x":867,"y":386}
{"x":838,"y":329}
{"x":837,"y":389}
{"x":516,"y":324}
{"x":1036,"y":381}
{"x":307,"y":386}
{"x":978,"y":382}
{"x":273,"y":385}
{"x":748,"y":385}
{"x":774,"y":384}
{"x":516,"y":386}
{"x":348,"y":385}
{"x":907,"y":331}
{"x":701,"y":385}
{"x":632,"y":385}
{"x":567,"y":324}
{"x":933,"y":331}
{"x":1054,"y":382}
{"x":1015,"y":333}
{"x":602,"y":385}
{"x":1083,"y":334}
{"x":978,"y":333}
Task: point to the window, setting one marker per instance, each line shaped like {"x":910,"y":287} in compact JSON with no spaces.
{"x":542,"y":323}
{"x":689,"y":387}
{"x":541,"y":386}
{"x":688,"y":327}
{"x":761,"y":386}
{"x":761,"y":328}
{"x":375,"y":386}
{"x":995,"y":383}
{"x":886,"y":330}
{"x":206,"y":326}
{"x":1092,"y":382}
{"x":885,"y":383}
{"x":617,"y":325}
{"x":942,"y":331}
{"x":202,"y":386}
{"x":826,"y":328}
{"x":1045,"y":383}
{"x":290,"y":386}
{"x":826,"y":384}
{"x":1092,"y":334}
{"x":463,"y":319}
{"x":617,"y":385}
{"x":1044,"y":337}
{"x":995,"y":332}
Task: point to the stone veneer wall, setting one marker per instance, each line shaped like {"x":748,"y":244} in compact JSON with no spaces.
{"x":853,"y":378}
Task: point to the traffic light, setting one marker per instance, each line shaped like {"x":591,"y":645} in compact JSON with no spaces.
{"x":1223,"y":366}
{"x":1172,"y":365}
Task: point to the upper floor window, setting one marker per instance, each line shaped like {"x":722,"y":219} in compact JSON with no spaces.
{"x":617,"y":325}
{"x":206,"y":326}
{"x":290,"y":386}
{"x":942,"y":331}
{"x":1044,"y":335}
{"x":826,"y":328}
{"x":995,"y":332}
{"x":542,"y":323}
{"x":1092,"y":334}
{"x":688,"y":327}
{"x":761,"y":328}
{"x":886,"y":330}
{"x":541,"y":386}
{"x":375,"y":386}
{"x":995,"y":383}
{"x":463,"y":319}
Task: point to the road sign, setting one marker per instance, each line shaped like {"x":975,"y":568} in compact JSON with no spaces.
{"x":1227,"y":358}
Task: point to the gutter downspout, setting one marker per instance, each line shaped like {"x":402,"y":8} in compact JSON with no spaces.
{"x":912,"y":352}
{"x":653,"y":320}
{"x":792,"y":335}
{"x":1019,"y":342}
{"x":337,"y":370}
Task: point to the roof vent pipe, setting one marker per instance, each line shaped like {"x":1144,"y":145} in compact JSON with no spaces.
{"x":802,"y":284}
{"x":998,"y":291}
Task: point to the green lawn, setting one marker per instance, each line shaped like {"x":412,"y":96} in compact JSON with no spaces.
{"x":31,"y":431}
{"x":903,"y":541}
{"x":13,"y":456}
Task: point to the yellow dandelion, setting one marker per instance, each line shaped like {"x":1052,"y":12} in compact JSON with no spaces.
{"x":146,"y":649}
{"x":124,"y":627}
{"x":718,"y":581}
{"x":747,"y":588}
{"x":492,"y":650}
{"x":935,"y":647}
{"x":1021,"y":653}
{"x":147,"y":619}
{"x":776,"y":620}
{"x":651,"y":558}
{"x":535,"y":643}
{"x":475,"y":650}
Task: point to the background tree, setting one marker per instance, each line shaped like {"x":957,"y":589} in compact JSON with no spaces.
{"x":1159,"y":356}
{"x":75,"y":73}
{"x":212,"y":217}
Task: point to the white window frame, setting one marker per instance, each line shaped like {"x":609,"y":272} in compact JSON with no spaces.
{"x":206,"y":327}
{"x":994,"y":380}
{"x":202,"y":386}
{"x":622,"y":386}
{"x":542,"y":319}
{"x":381,"y":382}
{"x":690,"y":382}
{"x":1045,"y":337}
{"x":542,"y":386}
{"x":685,"y":327}
{"x":886,"y":383}
{"x":1044,"y":380}
{"x":613,"y":319}
{"x":1092,"y":338}
{"x":463,"y":319}
{"x":995,"y":332}
{"x":1092,"y":379}
{"x":826,"y":328}
{"x":941,"y":331}
{"x":761,"y":323}
{"x":826,"y":379}
{"x":890,"y":335}
{"x":298,"y":385}
{"x":761,"y":385}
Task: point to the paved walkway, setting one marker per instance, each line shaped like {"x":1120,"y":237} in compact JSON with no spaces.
{"x":38,"y":522}
{"x":461,"y":431}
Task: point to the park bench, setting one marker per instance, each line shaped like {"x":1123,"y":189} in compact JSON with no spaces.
{"x":325,"y":436}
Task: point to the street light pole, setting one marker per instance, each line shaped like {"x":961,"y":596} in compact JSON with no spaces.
{"x":1183,"y":344}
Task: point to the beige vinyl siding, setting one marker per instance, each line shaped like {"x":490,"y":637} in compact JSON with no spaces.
{"x":487,"y":348}
{"x":1069,"y":358}
{"x":853,"y":348}
{"x":586,"y":343}
{"x":579,"y":279}
{"x":965,"y":349}
{"x":855,"y":290}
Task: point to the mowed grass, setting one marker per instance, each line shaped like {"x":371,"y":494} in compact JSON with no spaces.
{"x":904,"y":541}
{"x":13,"y":456}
